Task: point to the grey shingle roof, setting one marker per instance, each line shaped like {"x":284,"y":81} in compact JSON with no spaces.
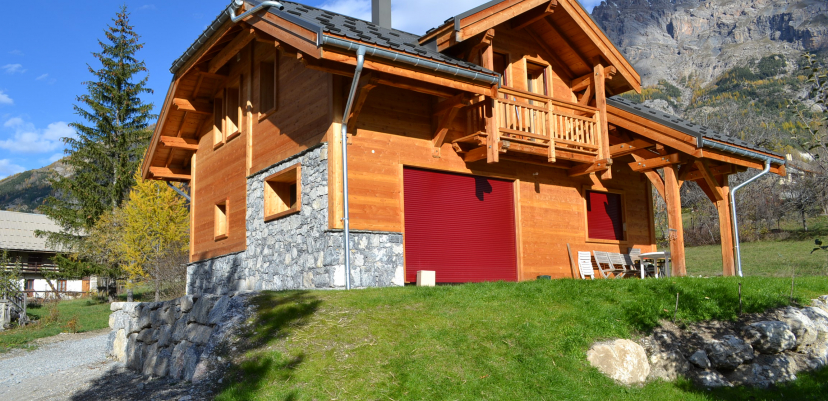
{"x":364,"y":31}
{"x":682,"y":125}
{"x":17,"y":231}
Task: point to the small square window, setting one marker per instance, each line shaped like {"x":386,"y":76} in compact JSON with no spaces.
{"x":605,"y":216}
{"x":283,"y":193}
{"x":221,"y":221}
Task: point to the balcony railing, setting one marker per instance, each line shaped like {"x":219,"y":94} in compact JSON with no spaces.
{"x":540,"y":125}
{"x":32,"y":267}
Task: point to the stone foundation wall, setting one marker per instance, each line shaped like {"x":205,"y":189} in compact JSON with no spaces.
{"x":297,"y":251}
{"x":177,"y":338}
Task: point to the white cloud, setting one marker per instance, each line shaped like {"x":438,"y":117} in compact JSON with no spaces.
{"x":26,"y":138}
{"x":55,"y":157}
{"x":13,"y":122}
{"x":147,"y":7}
{"x":16,"y":52}
{"x":5,"y":99}
{"x":42,"y":77}
{"x":13,"y":68}
{"x":415,"y":16}
{"x":8,"y":168}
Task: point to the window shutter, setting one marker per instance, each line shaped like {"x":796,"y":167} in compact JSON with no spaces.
{"x":604,"y":216}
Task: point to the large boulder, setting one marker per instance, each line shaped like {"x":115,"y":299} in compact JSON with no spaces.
{"x":699,"y":358}
{"x":710,"y":379}
{"x":765,"y":371}
{"x":770,"y":337}
{"x":668,"y":365}
{"x":818,"y":316}
{"x":801,"y":326}
{"x":622,"y":360}
{"x":729,"y":352}
{"x":821,"y":303}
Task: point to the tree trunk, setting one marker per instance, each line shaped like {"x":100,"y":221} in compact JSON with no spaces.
{"x":804,"y":223}
{"x":129,"y":291}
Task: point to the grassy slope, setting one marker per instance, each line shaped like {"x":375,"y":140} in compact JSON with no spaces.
{"x":769,"y":258}
{"x":91,"y":315}
{"x":499,"y":341}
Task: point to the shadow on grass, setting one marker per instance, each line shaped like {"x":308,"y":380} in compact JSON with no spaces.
{"x":811,"y":386}
{"x":278,"y":314}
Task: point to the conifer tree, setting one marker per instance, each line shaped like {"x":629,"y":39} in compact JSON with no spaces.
{"x":109,"y":144}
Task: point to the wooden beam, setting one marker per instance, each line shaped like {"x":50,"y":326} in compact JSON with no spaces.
{"x":603,"y":125}
{"x":198,"y":106}
{"x":367,"y":81}
{"x":179,"y":143}
{"x":580,"y":83}
{"x":584,"y":169}
{"x":653,"y":176}
{"x":173,"y":174}
{"x":206,"y":74}
{"x":708,"y":178}
{"x":475,"y":155}
{"x":653,"y":131}
{"x":655,"y":163}
{"x":726,"y":229}
{"x":529,"y":18}
{"x":239,"y":42}
{"x":484,"y":42}
{"x":447,"y":110}
{"x":674,"y":223}
{"x":571,"y":46}
{"x":626,"y":148}
{"x":693,"y":175}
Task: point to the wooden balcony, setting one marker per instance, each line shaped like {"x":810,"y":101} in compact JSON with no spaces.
{"x":519,"y":122}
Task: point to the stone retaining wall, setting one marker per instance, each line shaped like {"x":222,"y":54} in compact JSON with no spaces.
{"x":175,"y":338}
{"x":297,"y":251}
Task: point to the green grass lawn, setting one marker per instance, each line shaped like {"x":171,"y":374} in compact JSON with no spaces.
{"x":766,"y":258}
{"x":489,"y":341}
{"x":90,"y":313}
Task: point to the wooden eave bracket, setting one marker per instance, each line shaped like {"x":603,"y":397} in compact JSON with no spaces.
{"x":173,"y":142}
{"x":584,"y":169}
{"x":198,"y":106}
{"x":655,"y":163}
{"x":239,"y":42}
{"x":485,"y":41}
{"x":446,"y":111}
{"x":708,"y":177}
{"x":170,"y":174}
{"x":367,"y":81}
{"x":623,"y":149}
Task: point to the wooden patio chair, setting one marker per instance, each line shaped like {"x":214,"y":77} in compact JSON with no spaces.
{"x":585,"y":265}
{"x":602,"y":258}
{"x":624,"y":263}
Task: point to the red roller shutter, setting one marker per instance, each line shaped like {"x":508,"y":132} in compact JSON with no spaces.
{"x":604,"y":216}
{"x":461,"y":226}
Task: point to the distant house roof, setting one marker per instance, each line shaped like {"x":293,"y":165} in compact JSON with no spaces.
{"x":701,"y":132}
{"x":17,"y":231}
{"x":342,"y":25}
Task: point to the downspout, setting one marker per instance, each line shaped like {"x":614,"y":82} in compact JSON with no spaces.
{"x":238,"y":3}
{"x":180,"y":192}
{"x":735,"y":223}
{"x":346,"y":227}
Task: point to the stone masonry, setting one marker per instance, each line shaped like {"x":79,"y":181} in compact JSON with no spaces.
{"x":298,"y":251}
{"x":178,"y":338}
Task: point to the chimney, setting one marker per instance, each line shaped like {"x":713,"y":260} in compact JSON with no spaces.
{"x":381,"y":13}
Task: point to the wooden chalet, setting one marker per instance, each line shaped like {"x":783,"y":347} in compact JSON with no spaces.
{"x":487,"y":145}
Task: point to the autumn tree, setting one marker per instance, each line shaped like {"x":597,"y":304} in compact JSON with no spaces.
{"x":155,"y":234}
{"x":108,"y":147}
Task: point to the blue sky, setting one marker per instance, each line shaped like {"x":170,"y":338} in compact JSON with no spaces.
{"x":43,"y":57}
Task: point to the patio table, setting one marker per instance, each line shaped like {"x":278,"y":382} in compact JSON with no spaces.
{"x":656,"y":256}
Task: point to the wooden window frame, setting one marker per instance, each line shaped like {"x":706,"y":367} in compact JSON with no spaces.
{"x":274,"y":206}
{"x":507,"y":69}
{"x":624,"y":219}
{"x":547,"y":75}
{"x":265,"y":113}
{"x":238,"y":112}
{"x":218,"y":122}
{"x":61,"y":286}
{"x":221,"y":231}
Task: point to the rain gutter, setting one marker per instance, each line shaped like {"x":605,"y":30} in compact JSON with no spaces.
{"x":735,"y":222}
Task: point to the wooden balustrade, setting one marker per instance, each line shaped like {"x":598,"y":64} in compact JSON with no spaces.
{"x":529,"y":121}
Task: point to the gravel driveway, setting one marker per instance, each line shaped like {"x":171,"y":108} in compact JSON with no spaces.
{"x":73,"y":367}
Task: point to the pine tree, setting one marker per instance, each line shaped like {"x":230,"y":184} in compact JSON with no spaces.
{"x":109,"y":145}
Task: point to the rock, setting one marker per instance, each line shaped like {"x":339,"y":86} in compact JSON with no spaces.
{"x":770,"y":337}
{"x":216,"y":314}
{"x":818,"y":316}
{"x":186,"y":303}
{"x":728,"y":353}
{"x":622,"y":360}
{"x":198,"y":334}
{"x":699,"y":358}
{"x":765,"y":371}
{"x":710,"y":379}
{"x":201,"y":309}
{"x":801,"y":326}
{"x":118,"y":350}
{"x":116,"y":306}
{"x":668,"y":366}
{"x":821,"y":303}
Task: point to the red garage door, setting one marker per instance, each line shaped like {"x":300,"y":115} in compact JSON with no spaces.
{"x":461,"y":226}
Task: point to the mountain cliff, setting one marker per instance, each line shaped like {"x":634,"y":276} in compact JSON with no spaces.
{"x":26,"y":191}
{"x":702,"y":39}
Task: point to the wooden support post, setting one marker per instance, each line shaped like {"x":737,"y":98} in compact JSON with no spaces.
{"x":493,"y":142}
{"x":603,"y":126}
{"x":674,"y":223}
{"x":726,"y":229}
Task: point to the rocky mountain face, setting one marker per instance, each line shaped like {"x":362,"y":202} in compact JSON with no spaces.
{"x":26,"y":191}
{"x":674,"y":39}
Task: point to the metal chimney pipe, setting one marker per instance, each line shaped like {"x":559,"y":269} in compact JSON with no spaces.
{"x":381,"y":13}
